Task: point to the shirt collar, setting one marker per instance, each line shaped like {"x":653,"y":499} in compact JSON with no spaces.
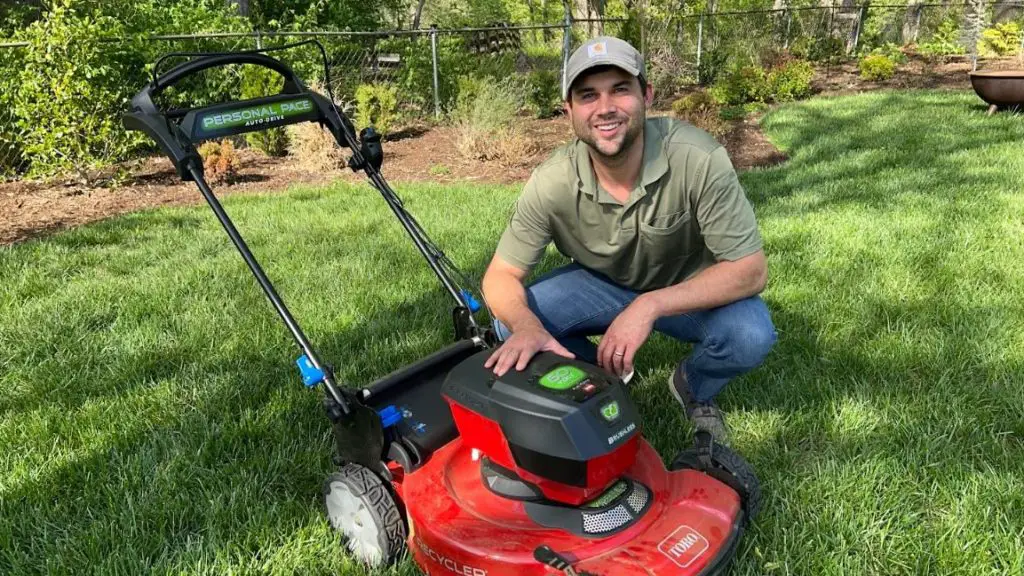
{"x":655,"y":165}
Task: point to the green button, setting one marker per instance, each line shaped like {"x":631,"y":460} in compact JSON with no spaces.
{"x":563,"y":378}
{"x":610,"y":411}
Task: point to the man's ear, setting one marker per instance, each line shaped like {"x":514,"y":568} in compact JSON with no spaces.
{"x":649,"y":94}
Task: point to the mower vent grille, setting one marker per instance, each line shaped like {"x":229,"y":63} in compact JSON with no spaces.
{"x":638,"y":499}
{"x":606,"y":521}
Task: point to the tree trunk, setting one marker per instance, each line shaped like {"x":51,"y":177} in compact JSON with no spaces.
{"x":416,"y":17}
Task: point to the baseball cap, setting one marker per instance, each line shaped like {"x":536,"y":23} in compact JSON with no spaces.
{"x":602,"y":51}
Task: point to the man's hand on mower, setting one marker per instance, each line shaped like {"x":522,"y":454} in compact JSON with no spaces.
{"x":521,"y":346}
{"x":625,"y":336}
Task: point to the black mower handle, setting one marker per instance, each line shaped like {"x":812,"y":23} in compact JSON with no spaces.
{"x":292,"y":83}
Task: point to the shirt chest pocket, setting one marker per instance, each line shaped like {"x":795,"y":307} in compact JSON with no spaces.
{"x":667,"y":238}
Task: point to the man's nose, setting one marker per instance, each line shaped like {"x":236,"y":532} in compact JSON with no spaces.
{"x":606,"y":105}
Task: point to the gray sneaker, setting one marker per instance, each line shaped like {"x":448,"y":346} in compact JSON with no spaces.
{"x":704,"y":416}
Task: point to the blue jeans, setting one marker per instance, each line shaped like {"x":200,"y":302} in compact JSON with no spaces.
{"x":573,"y":302}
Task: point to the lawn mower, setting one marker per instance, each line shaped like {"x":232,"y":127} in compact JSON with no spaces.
{"x":540,"y":471}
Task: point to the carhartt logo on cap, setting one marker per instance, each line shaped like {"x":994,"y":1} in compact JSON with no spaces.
{"x":597,"y":49}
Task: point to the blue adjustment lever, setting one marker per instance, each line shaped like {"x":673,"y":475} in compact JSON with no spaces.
{"x":389,"y":416}
{"x":473,"y":304}
{"x":311,"y":375}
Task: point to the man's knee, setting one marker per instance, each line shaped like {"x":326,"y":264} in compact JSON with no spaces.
{"x":752,"y":343}
{"x":746,"y":341}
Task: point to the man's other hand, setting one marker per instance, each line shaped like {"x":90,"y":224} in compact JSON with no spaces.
{"x":625,"y":336}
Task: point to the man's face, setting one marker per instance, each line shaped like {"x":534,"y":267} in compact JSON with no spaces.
{"x":607,"y":109}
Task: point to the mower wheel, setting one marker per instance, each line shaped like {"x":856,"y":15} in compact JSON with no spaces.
{"x":730,"y":468}
{"x":361,"y":508}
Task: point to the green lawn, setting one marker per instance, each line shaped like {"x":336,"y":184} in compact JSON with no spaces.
{"x":152,"y":420}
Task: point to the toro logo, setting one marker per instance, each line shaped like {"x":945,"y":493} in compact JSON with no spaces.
{"x":683,"y":546}
{"x":449,"y":564}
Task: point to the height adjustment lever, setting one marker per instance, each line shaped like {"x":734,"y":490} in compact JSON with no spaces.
{"x":545,"y":555}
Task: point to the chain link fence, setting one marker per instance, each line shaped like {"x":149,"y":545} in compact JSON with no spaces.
{"x":692,"y":49}
{"x":424,"y":70}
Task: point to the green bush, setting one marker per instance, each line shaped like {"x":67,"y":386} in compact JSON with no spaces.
{"x":712,"y":63}
{"x":1000,"y":40}
{"x":485,"y":110}
{"x":743,"y":84}
{"x":377,"y":106}
{"x":700,"y":109}
{"x":790,"y":81}
{"x":945,"y":41}
{"x":877,"y":67}
{"x":891,"y":51}
{"x":544,"y":94}
{"x":10,"y":133}
{"x":257,"y":82}
{"x":72,"y":87}
{"x":698,"y":101}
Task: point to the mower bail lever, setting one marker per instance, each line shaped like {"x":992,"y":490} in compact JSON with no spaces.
{"x":292,"y":83}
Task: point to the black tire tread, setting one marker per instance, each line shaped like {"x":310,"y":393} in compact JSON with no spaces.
{"x":368,"y":487}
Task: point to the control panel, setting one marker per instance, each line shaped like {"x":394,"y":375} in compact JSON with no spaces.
{"x":571,"y":383}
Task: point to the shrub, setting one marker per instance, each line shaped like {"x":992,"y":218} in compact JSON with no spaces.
{"x":1000,"y":40}
{"x":220,"y":161}
{"x":697,"y":101}
{"x":666,"y":68}
{"x":743,"y":84}
{"x":10,"y":133}
{"x":512,"y":147}
{"x":257,"y":82}
{"x":785,"y":82}
{"x":377,"y":106}
{"x":700,"y":109}
{"x":945,"y":41}
{"x":891,"y":51}
{"x":877,"y":67}
{"x":790,"y":80}
{"x":544,"y":94}
{"x":71,"y":89}
{"x":312,"y":147}
{"x":486,"y":116}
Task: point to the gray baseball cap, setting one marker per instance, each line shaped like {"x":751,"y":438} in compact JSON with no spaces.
{"x":602,"y":51}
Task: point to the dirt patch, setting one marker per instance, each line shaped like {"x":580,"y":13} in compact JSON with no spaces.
{"x":918,"y":72}
{"x":417,"y":153}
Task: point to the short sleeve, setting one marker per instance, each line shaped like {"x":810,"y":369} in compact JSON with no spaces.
{"x":528,"y":231}
{"x":724,"y":213}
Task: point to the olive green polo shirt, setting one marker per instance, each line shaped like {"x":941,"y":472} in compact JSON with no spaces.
{"x":688,"y":211}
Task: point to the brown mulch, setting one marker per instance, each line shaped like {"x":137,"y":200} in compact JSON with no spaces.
{"x":950,"y":73}
{"x":417,"y":153}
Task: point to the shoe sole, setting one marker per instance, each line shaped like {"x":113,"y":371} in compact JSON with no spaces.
{"x":675,"y":391}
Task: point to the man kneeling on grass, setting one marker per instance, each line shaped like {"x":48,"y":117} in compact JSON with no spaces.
{"x":661,"y":237}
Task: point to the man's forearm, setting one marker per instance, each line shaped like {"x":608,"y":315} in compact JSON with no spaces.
{"x":506,"y":297}
{"x":721,"y":284}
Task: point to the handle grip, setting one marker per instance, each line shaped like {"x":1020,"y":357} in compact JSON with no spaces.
{"x":292,"y":83}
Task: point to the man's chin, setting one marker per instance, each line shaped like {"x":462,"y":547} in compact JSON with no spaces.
{"x":608,"y":148}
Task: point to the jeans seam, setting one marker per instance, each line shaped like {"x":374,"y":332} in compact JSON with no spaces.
{"x":564,"y":331}
{"x":704,"y":339}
